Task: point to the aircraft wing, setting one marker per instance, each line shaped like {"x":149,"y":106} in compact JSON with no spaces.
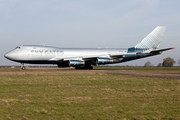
{"x":107,"y":56}
{"x":121,"y":55}
{"x":92,"y":57}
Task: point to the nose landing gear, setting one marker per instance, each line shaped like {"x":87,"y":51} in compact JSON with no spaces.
{"x":22,"y":66}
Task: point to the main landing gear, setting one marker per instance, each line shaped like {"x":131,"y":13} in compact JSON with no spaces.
{"x":22,"y":66}
{"x":84,"y":67}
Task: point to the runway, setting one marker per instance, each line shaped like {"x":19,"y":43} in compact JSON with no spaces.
{"x":155,"y":75}
{"x":175,"y":76}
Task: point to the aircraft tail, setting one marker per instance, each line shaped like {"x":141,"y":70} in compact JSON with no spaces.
{"x":153,"y":39}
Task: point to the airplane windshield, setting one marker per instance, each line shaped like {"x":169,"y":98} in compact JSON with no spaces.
{"x":18,"y":47}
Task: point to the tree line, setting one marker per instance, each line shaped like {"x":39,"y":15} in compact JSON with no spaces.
{"x":167,"y":62}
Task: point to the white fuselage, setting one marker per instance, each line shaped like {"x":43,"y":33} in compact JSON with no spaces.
{"x":28,"y":54}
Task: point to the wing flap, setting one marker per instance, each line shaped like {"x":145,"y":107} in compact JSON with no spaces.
{"x":120,"y":55}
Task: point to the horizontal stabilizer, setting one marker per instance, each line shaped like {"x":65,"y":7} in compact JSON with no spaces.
{"x":161,"y":50}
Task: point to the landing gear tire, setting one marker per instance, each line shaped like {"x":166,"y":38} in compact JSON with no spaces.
{"x":88,"y":67}
{"x":91,"y":67}
{"x":22,"y":66}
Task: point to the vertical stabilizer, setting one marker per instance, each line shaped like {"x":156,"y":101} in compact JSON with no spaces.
{"x":153,"y":39}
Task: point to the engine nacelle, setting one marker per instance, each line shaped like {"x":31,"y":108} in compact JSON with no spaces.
{"x":104,"y":60}
{"x":76,"y":63}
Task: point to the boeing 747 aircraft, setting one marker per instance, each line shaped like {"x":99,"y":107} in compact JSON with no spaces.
{"x":86,"y":58}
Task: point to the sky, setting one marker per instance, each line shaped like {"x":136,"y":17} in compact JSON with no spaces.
{"x":89,"y":24}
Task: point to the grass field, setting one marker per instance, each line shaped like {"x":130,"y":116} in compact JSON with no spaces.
{"x":77,"y":94}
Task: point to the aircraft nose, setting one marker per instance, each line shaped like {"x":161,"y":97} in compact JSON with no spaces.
{"x":6,"y":55}
{"x":10,"y":56}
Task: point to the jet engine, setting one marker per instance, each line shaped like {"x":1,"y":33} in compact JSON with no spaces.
{"x":104,"y":60}
{"x":76,"y":63}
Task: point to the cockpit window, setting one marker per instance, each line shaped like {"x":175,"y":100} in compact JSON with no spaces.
{"x":18,"y":47}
